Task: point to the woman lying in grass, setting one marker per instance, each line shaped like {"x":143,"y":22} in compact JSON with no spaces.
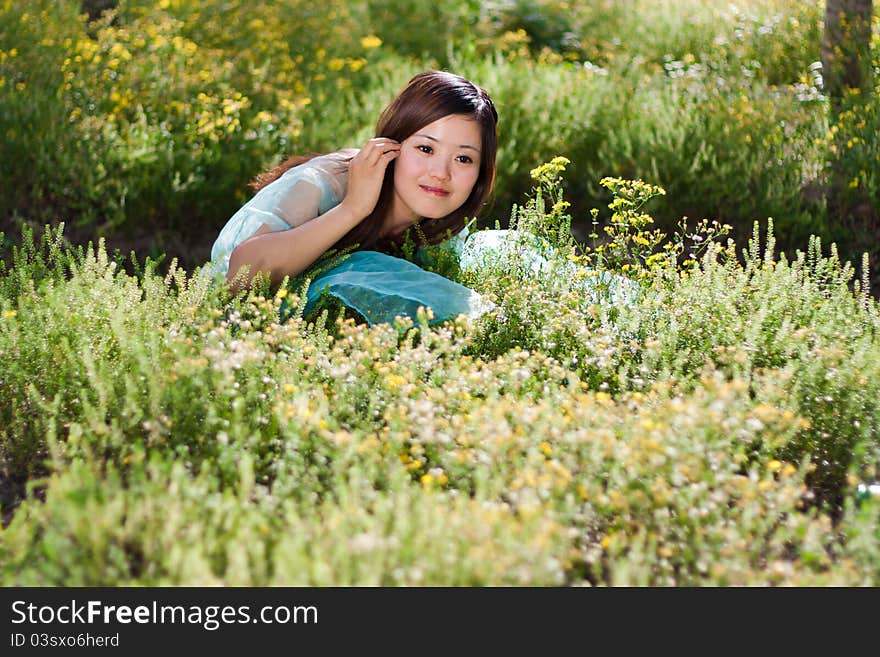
{"x":431,"y":163}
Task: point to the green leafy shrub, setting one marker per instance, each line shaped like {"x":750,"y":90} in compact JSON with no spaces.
{"x":153,"y":118}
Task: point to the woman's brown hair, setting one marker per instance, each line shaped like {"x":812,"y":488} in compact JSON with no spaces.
{"x":427,"y":97}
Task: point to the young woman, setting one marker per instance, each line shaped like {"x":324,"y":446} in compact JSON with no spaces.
{"x":432,"y":162}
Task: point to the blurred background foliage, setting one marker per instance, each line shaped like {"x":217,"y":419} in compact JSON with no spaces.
{"x":144,"y":122}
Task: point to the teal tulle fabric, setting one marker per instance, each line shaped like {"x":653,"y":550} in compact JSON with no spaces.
{"x":381,"y":287}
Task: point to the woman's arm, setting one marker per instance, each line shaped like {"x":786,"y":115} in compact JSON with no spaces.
{"x":290,"y":252}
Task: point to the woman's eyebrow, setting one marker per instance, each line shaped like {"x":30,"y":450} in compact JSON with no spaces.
{"x":421,"y":134}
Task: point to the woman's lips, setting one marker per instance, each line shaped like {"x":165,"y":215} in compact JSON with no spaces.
{"x":436,"y":191}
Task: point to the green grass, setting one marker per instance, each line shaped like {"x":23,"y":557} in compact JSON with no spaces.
{"x":712,"y":431}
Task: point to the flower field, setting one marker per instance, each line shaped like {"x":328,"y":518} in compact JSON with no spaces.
{"x":717,"y":426}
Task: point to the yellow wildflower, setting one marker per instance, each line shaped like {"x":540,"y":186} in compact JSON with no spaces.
{"x":371,"y":41}
{"x":394,"y":381}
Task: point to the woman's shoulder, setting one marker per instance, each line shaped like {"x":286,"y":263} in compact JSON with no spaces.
{"x":344,"y":153}
{"x":332,"y":169}
{"x":334,"y":161}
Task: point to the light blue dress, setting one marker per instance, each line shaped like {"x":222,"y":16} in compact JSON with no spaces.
{"x":376,"y":285}
{"x":381,"y":287}
{"x":268,"y":207}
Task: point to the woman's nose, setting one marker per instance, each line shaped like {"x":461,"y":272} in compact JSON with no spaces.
{"x":440,"y":169}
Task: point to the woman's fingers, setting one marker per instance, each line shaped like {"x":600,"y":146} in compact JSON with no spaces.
{"x":366,"y":173}
{"x":379,"y":146}
{"x":382,"y":141}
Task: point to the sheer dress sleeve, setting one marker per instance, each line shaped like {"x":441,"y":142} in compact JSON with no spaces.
{"x":299,"y":195}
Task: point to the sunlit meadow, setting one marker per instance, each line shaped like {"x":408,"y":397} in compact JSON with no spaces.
{"x":717,"y":428}
{"x":665,"y":403}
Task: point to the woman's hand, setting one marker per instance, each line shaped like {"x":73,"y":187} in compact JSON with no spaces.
{"x":366,"y":171}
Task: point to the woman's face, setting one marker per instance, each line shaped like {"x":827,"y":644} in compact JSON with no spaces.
{"x":435,"y":171}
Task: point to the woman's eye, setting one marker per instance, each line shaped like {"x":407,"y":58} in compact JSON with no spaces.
{"x":465,"y":159}
{"x":424,"y":148}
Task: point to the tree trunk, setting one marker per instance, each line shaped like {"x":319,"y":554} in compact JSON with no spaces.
{"x":847,"y":67}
